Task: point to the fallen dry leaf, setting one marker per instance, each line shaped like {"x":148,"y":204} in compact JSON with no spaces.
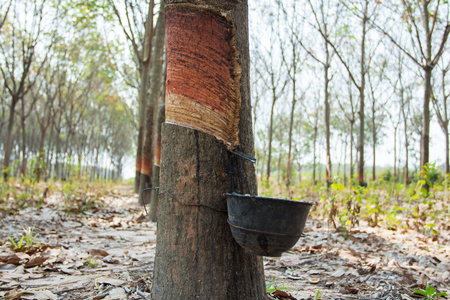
{"x":10,"y":259}
{"x":111,"y":281}
{"x":283,"y":295}
{"x":352,"y":290}
{"x":98,"y":253}
{"x":35,"y":261}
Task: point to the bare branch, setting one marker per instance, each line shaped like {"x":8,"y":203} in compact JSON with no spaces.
{"x":397,"y":45}
{"x":131,"y":39}
{"x":2,"y":22}
{"x":442,"y":46}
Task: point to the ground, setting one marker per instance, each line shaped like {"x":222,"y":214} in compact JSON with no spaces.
{"x":103,"y":247}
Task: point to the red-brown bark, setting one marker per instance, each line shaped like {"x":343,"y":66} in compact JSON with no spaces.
{"x":202,"y":87}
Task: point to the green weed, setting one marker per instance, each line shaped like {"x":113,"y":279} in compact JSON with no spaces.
{"x":26,"y":242}
{"x":430,"y":293}
{"x":271,"y":287}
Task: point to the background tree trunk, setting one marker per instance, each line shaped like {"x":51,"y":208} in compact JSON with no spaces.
{"x":143,"y":89}
{"x":269,"y":155}
{"x":156,"y":75}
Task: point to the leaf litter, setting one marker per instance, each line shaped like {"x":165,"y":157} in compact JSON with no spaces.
{"x":106,"y":250}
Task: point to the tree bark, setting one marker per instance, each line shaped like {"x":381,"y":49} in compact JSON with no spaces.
{"x":314,"y":153}
{"x":361,"y":99}
{"x":352,"y":142}
{"x":196,"y":256}
{"x":425,"y":136}
{"x":156,"y":166}
{"x":269,"y":155}
{"x":291,"y":126}
{"x":23,"y":168}
{"x":8,"y":142}
{"x":395,"y":154}
{"x":328,"y":171}
{"x":156,"y":75}
{"x":374,"y":140}
{"x":143,"y":88}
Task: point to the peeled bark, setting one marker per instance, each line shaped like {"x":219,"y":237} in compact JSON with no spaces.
{"x":196,"y":256}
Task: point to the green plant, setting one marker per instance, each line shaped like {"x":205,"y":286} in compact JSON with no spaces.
{"x":91,"y":263}
{"x":319,"y":295}
{"x":28,"y":237}
{"x":430,"y":293}
{"x":271,"y":287}
{"x":18,"y":245}
{"x":429,"y":176}
{"x":386,"y":176}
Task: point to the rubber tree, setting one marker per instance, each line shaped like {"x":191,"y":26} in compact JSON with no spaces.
{"x":324,"y":24}
{"x":428,"y":24}
{"x":363,"y":14}
{"x":18,"y":65}
{"x":142,"y":50}
{"x":351,"y":118}
{"x":377,"y":102}
{"x":295,"y":62}
{"x":276,"y":84}
{"x":156,"y":75}
{"x":159,"y":96}
{"x":440,"y":105}
{"x":208,"y":113}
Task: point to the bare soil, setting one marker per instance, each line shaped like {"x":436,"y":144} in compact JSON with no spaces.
{"x":108,"y":251}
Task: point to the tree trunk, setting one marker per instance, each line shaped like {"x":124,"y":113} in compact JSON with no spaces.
{"x":406,"y":158}
{"x":196,"y":256}
{"x":314,"y":153}
{"x":291,"y":126}
{"x":280,"y":173}
{"x":425,"y":136}
{"x":361,"y":101}
{"x":395,"y":154}
{"x":374,"y":140}
{"x":269,"y":155}
{"x":148,"y":148}
{"x":23,"y":168}
{"x":137,"y":178}
{"x":8,"y":142}
{"x":157,"y":164}
{"x":447,"y":167}
{"x":328,"y":171}
{"x":143,"y":88}
{"x":351,"y":152}
{"x":345,"y":157}
{"x":40,"y":160}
